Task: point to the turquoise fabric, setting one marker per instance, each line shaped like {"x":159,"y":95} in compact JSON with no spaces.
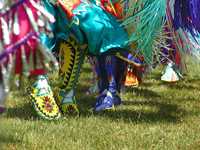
{"x":90,"y":25}
{"x":60,"y":28}
{"x":99,"y":29}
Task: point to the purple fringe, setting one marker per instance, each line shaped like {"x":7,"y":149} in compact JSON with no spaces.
{"x":187,"y":15}
{"x":11,"y":49}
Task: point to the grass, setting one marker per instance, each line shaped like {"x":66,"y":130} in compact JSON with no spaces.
{"x":155,"y":115}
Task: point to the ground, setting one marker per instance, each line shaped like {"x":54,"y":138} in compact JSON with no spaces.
{"x":155,"y":115}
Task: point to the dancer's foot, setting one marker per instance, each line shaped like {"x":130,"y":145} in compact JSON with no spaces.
{"x":107,"y":101}
{"x":67,"y":102}
{"x":43,"y":100}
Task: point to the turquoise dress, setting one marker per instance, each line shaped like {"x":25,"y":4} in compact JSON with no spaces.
{"x":60,"y":27}
{"x":99,"y":29}
{"x":91,"y":25}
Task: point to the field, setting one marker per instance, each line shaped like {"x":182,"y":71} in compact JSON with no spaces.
{"x":156,"y":115}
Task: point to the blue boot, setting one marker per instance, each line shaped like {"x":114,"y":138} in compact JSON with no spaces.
{"x":104,"y":103}
{"x":108,"y":98}
{"x":115,"y":98}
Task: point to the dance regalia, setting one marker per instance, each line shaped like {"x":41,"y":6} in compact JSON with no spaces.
{"x":90,"y":20}
{"x":22,"y":22}
{"x":87,"y":21}
{"x":184,"y":17}
{"x":96,"y":24}
{"x":169,"y":25}
{"x":95,"y":28}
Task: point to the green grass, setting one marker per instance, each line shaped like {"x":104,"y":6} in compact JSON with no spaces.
{"x":156,"y":115}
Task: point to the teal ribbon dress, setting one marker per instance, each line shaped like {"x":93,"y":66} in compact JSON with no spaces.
{"x":99,"y":29}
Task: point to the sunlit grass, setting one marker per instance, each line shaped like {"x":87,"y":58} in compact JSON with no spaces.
{"x":156,"y":115}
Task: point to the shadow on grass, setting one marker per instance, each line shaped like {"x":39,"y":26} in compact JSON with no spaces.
{"x":144,"y":92}
{"x":170,"y":113}
{"x":8,"y":140}
{"x":24,"y":111}
{"x":164,"y":112}
{"x":182,"y":85}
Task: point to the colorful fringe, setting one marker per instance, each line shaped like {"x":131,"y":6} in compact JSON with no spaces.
{"x":21,"y":23}
{"x":71,"y":58}
{"x":184,"y":19}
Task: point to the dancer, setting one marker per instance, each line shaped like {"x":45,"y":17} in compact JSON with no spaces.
{"x":95,"y":24}
{"x":22,"y":22}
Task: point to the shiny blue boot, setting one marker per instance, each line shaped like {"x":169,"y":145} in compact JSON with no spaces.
{"x":108,"y":98}
{"x":106,"y":103}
